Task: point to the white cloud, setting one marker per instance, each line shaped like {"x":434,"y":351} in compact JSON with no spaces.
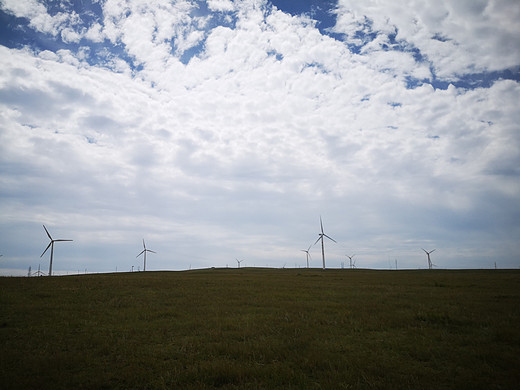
{"x":221,"y":5}
{"x":94,"y":33}
{"x":41,"y":20}
{"x":458,"y":37}
{"x":242,"y":149}
{"x":24,"y":8}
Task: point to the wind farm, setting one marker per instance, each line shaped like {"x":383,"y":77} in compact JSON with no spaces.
{"x":309,"y":252}
{"x":297,"y":264}
{"x":256,"y":327}
{"x":222,"y":131}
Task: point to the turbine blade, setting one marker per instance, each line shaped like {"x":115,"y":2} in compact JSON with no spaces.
{"x":432,"y":251}
{"x":330,"y":238}
{"x":63,"y":240}
{"x":140,"y":253}
{"x":46,"y":231}
{"x":319,"y":238}
{"x":424,"y":250}
{"x":321,"y":224}
{"x":48,"y":246}
{"x":144,"y":246}
{"x":149,"y":250}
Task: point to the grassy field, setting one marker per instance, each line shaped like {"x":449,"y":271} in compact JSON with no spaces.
{"x":262,"y":329}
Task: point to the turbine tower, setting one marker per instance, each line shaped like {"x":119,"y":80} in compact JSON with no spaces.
{"x":144,"y":252}
{"x":350,"y":258}
{"x":51,"y":245}
{"x":308,"y":254}
{"x":430,"y":264}
{"x":321,"y":235}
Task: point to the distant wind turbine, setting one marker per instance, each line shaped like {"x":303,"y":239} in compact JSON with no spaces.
{"x":144,"y":252}
{"x":308,"y":254}
{"x":51,"y":245}
{"x":352,"y":264}
{"x":430,"y":264}
{"x":39,"y":272}
{"x":238,"y":262}
{"x":321,"y":235}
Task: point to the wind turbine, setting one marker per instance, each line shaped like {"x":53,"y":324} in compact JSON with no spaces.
{"x":144,"y":251}
{"x":51,"y":245}
{"x":430,"y":264}
{"x":39,"y":272}
{"x":238,"y":262}
{"x":350,"y":258}
{"x":321,"y":235}
{"x":308,"y":254}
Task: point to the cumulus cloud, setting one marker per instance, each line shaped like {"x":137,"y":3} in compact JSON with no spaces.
{"x":270,"y":124}
{"x":221,"y":5}
{"x":457,"y":37}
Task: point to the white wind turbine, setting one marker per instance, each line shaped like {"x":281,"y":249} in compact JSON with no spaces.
{"x":39,"y":272}
{"x":321,"y":235}
{"x":238,"y":262}
{"x":144,"y":252}
{"x":430,"y":264}
{"x":308,"y":254}
{"x":51,"y":245}
{"x":352,"y":264}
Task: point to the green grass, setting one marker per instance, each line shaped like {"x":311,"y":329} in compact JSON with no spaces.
{"x":262,"y":329}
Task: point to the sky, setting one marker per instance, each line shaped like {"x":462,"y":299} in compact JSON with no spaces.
{"x":220,"y":130}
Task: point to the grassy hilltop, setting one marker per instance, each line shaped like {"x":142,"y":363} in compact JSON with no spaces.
{"x":262,"y":329}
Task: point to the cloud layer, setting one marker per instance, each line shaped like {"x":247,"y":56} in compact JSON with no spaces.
{"x":224,"y":129}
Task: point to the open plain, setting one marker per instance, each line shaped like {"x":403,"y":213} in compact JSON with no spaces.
{"x":255,"y":328}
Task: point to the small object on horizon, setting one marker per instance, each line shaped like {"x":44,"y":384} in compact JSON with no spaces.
{"x":352,"y":263}
{"x":308,"y":254}
{"x":321,"y":235}
{"x":51,"y":245}
{"x":430,"y":264}
{"x":144,"y":251}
